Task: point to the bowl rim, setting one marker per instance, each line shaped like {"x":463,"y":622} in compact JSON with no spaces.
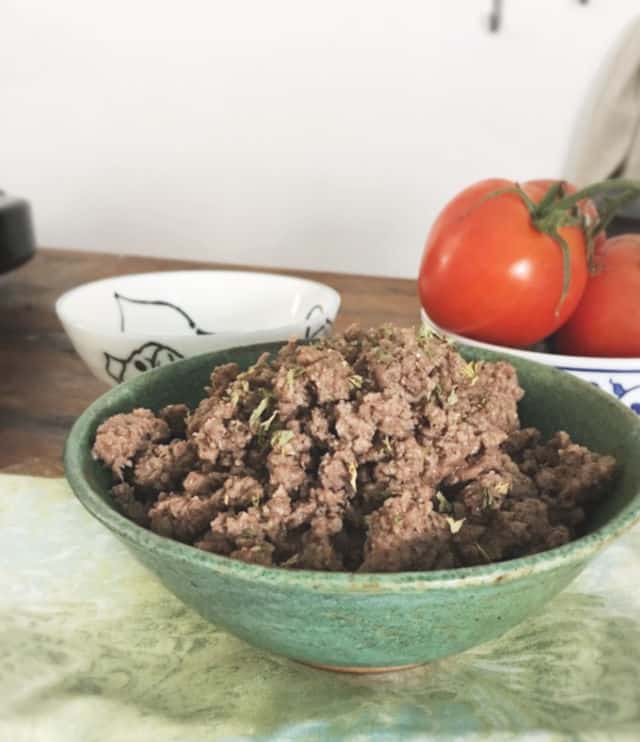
{"x":566,"y":363}
{"x":573,"y":552}
{"x":64,"y":314}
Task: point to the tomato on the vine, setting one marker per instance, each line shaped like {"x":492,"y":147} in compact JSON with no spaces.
{"x":505,"y":263}
{"x":607,"y":319}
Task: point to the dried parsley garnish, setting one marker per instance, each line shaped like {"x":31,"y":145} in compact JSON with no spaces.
{"x":292,"y":375}
{"x":489,"y":500}
{"x":266,"y":424}
{"x":470,"y":371}
{"x":353,"y":476}
{"x":386,"y":446}
{"x":239,"y":387}
{"x":280,"y":438}
{"x":442,"y":504}
{"x":254,"y":419}
{"x":356,"y":381}
{"x":454,"y":525}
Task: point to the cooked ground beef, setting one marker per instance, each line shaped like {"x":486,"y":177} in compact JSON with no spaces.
{"x":122,"y":438}
{"x":376,"y":451}
{"x":175,"y":415}
{"x":163,"y":466}
{"x":183,"y":517}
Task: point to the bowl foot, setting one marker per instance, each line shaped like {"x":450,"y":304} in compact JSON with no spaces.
{"x":359,"y":670}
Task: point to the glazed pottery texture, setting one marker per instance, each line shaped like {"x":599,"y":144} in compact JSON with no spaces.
{"x":368,"y":621}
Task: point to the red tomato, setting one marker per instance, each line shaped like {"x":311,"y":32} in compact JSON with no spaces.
{"x":607,"y":320}
{"x":489,"y":273}
{"x":587,"y":206}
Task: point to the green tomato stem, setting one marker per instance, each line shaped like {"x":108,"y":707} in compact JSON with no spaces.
{"x":556,"y":211}
{"x":554,"y":191}
{"x":553,"y":213}
{"x":595,"y":189}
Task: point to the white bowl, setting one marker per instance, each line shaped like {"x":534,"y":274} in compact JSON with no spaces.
{"x":618,"y":376}
{"x":126,"y":325}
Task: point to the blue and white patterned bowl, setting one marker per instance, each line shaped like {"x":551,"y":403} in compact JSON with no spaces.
{"x":618,"y":376}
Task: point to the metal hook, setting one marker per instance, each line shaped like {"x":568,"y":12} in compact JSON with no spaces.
{"x":495,"y":17}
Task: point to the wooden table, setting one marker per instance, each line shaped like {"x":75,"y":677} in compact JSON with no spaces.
{"x":44,"y":385}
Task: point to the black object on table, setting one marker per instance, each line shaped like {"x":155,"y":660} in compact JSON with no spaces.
{"x":17,"y":236}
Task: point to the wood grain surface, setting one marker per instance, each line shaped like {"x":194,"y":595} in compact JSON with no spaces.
{"x":44,"y":385}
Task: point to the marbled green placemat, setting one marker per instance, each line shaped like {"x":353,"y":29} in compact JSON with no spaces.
{"x":92,"y":649}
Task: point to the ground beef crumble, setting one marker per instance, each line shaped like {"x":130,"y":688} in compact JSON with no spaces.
{"x":376,"y":451}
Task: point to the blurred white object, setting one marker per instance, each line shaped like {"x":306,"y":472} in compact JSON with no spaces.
{"x":124,"y":326}
{"x":609,"y":140}
{"x":618,"y":376}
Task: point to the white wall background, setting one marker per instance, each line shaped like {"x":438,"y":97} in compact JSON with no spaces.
{"x":292,"y":133}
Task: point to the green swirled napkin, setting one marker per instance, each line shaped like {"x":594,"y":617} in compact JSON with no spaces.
{"x":92,"y":648}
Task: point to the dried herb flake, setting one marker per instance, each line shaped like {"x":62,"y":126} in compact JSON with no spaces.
{"x":266,"y":424}
{"x":254,"y":420}
{"x":292,"y":375}
{"x":353,"y":476}
{"x":443,"y":505}
{"x":356,"y":381}
{"x":280,"y":438}
{"x":455,"y":525}
{"x":386,"y":445}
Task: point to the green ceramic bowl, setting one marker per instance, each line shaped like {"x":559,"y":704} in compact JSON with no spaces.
{"x":365,"y":622}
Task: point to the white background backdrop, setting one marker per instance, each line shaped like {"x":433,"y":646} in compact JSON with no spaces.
{"x":292,"y":133}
